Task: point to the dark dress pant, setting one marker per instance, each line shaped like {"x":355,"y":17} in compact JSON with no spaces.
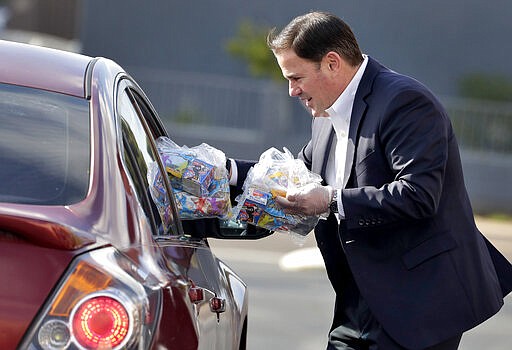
{"x":355,"y":328}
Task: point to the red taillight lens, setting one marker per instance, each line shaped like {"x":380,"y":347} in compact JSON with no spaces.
{"x":105,"y":301}
{"x":101,"y":322}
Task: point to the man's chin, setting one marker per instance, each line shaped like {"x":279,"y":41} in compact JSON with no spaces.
{"x":317,"y":114}
{"x":314,"y":113}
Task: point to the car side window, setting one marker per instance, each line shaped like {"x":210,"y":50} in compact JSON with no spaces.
{"x":143,"y":163}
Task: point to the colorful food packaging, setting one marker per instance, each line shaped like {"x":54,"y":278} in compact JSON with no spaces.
{"x":254,"y":206}
{"x":274,"y":175}
{"x":198,"y":177}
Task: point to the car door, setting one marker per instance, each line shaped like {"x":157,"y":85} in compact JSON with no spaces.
{"x":184,"y":253}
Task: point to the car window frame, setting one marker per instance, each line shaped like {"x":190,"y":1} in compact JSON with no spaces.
{"x":147,"y":116}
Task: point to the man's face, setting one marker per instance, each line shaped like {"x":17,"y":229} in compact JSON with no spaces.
{"x":315,"y":84}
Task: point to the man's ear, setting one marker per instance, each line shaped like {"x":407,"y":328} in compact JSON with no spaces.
{"x":333,"y":61}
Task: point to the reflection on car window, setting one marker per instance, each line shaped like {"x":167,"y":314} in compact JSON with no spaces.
{"x":44,"y":147}
{"x":138,"y":146}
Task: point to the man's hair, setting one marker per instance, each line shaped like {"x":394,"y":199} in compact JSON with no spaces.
{"x":313,"y":35}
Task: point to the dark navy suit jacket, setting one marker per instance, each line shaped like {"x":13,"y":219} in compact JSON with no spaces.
{"x":409,"y":238}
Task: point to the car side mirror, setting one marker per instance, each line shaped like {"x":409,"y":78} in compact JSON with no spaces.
{"x":233,"y":230}
{"x":221,"y":229}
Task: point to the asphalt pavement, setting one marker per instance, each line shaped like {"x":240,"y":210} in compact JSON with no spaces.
{"x":284,"y":271}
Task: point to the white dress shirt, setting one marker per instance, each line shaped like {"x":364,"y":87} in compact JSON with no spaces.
{"x":340,"y":113}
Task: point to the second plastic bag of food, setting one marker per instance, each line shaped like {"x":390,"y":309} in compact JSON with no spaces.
{"x":274,"y":175}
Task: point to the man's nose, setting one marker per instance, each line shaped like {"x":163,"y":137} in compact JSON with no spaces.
{"x":293,"y":90}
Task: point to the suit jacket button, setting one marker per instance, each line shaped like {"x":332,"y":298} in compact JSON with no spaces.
{"x":361,"y":222}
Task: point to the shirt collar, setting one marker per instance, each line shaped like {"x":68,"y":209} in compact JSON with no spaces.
{"x":343,"y":104}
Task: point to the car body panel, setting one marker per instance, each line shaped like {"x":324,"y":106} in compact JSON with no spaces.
{"x":42,"y":232}
{"x":206,"y":271}
{"x":18,"y":303}
{"x":49,"y":69}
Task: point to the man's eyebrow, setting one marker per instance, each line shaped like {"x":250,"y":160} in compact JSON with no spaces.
{"x":291,"y":76}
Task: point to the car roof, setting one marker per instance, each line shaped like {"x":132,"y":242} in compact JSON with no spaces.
{"x":43,"y":68}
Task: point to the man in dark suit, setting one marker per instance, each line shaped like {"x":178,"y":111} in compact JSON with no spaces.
{"x":409,"y":267}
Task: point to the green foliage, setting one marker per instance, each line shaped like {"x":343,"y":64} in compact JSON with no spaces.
{"x":486,"y":87}
{"x":250,"y":45}
{"x":188,"y":116}
{"x":503,"y":217}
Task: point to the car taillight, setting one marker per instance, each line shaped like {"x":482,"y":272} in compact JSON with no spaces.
{"x":103,"y":302}
{"x":101,"y":322}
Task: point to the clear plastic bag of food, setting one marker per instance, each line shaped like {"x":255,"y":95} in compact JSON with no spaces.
{"x":199,"y":179}
{"x":274,"y":175}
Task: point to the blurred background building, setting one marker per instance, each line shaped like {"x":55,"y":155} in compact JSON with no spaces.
{"x":179,"y":53}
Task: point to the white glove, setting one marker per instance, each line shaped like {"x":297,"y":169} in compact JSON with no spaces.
{"x":312,"y":199}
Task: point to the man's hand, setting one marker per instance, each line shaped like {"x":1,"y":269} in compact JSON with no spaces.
{"x":312,"y":199}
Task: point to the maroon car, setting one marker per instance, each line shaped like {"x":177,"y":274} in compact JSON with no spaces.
{"x":86,"y":261}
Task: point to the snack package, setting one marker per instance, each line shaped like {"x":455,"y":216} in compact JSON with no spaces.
{"x":199,"y":179}
{"x":254,"y":206}
{"x":187,"y":172}
{"x":274,"y":175}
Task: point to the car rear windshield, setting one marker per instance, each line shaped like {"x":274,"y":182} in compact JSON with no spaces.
{"x":44,"y":147}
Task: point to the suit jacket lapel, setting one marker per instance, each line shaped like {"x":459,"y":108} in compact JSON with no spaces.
{"x":358,"y":113}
